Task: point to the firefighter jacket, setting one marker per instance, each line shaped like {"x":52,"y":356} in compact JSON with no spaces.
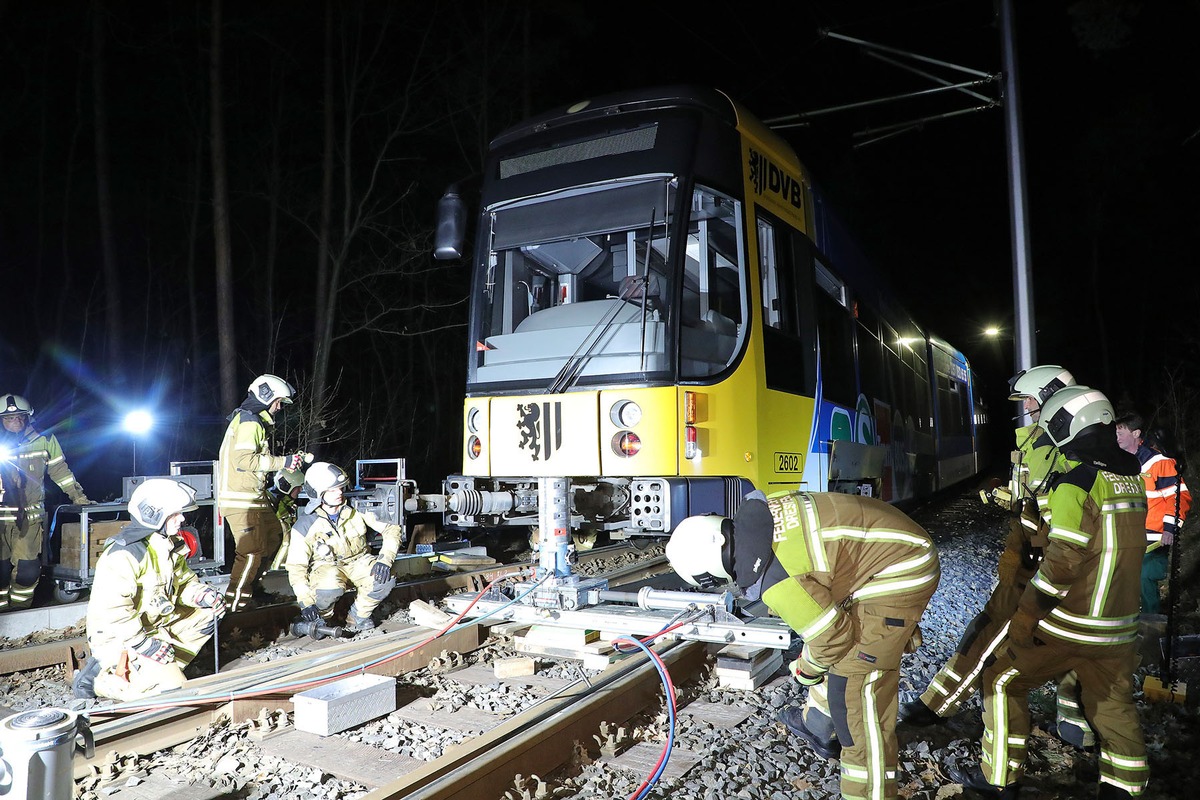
{"x":841,"y":549}
{"x":246,"y":463}
{"x":319,"y":539}
{"x":35,"y":455}
{"x":1086,"y":590}
{"x":1167,"y":496}
{"x":1034,"y":463}
{"x":142,"y":579}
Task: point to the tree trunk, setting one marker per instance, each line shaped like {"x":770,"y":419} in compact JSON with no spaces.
{"x":226,"y":338}
{"x":323,"y":329}
{"x":112,"y":277}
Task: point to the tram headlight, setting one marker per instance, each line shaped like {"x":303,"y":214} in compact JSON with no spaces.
{"x":474,"y":447}
{"x":625,"y":414}
{"x":473,"y":420}
{"x":626,"y":444}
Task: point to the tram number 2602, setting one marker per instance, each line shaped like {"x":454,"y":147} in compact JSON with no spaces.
{"x":787,"y":462}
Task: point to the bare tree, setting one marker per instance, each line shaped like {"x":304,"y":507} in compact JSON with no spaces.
{"x":226,"y":339}
{"x":112,"y":276}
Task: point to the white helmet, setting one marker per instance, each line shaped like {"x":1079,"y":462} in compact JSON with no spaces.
{"x":700,"y":551}
{"x":323,"y":476}
{"x":269,"y":388}
{"x":158,"y":499}
{"x":1074,"y":409}
{"x":1040,"y":383}
{"x":288,"y":479}
{"x":15,"y":404}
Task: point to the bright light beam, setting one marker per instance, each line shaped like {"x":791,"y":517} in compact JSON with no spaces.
{"x":138,"y":422}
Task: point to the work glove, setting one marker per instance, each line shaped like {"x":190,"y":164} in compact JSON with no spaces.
{"x":1030,"y":556}
{"x":1167,"y":539}
{"x":310,"y":614}
{"x":1021,"y":628}
{"x":381,"y":572}
{"x":806,"y":672}
{"x":209,"y":597}
{"x":296,"y":459}
{"x":156,"y":650}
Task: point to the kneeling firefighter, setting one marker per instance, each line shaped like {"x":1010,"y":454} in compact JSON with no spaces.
{"x":852,"y":576}
{"x":328,"y":552}
{"x":149,"y":614}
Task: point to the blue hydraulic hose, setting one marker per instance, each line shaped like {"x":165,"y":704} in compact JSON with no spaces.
{"x":670,"y":695}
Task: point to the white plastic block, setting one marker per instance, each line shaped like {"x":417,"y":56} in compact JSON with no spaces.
{"x":341,"y":705}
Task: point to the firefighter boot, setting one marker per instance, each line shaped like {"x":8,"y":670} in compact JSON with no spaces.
{"x":1109,"y":792}
{"x":793,"y":719}
{"x":915,"y":712}
{"x":972,"y":778}
{"x":356,"y":624}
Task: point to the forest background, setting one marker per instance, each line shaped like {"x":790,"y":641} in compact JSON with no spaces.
{"x":198,"y":192}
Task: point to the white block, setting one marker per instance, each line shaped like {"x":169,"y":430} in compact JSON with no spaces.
{"x":341,"y":705}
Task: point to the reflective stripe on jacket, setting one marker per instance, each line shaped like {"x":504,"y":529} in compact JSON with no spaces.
{"x":1164,"y":485}
{"x":37,"y":455}
{"x":245,"y":464}
{"x":316,"y":539}
{"x":840,"y":549}
{"x":141,"y":579}
{"x":1098,"y":534}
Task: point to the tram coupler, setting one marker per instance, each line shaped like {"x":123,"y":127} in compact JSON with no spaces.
{"x":317,"y":630}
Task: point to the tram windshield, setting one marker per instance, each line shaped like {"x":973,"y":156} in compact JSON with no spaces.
{"x":580,"y":286}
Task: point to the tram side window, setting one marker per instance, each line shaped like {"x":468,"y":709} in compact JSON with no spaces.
{"x":870,"y":357}
{"x":714,"y":307}
{"x":952,"y":406}
{"x":789,"y":342}
{"x":836,"y":337}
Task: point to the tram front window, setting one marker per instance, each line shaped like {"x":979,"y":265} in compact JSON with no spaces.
{"x":579,"y":277}
{"x":578,"y":286}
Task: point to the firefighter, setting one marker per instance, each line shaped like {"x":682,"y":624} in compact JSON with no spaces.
{"x":148,"y":614}
{"x":243,"y":499}
{"x":287,"y":485}
{"x":852,"y":576}
{"x":1168,"y":502}
{"x":1033,"y":462}
{"x":29,"y":457}
{"x":328,"y":552}
{"x":1079,"y":611}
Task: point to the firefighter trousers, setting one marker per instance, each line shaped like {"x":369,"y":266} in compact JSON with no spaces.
{"x":1105,"y":676}
{"x":20,"y":561}
{"x":985,"y":634}
{"x":127,"y":676}
{"x":256,"y":538}
{"x":857,"y":704}
{"x":330,"y":580}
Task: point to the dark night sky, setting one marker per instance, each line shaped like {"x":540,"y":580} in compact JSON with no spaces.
{"x":1108,"y":103}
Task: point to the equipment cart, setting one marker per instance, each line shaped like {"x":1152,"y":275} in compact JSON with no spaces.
{"x":77,"y":534}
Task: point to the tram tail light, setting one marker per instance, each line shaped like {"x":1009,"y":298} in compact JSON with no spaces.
{"x":690,"y":448}
{"x":474,"y":447}
{"x":627,"y":444}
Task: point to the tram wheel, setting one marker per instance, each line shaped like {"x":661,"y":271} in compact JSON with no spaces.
{"x":64,"y":595}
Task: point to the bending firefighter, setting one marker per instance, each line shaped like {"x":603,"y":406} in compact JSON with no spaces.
{"x":852,"y":576}
{"x":1033,"y":463}
{"x":246,"y":465}
{"x":30,"y":456}
{"x":148,"y":614}
{"x":1080,"y":610}
{"x":328,"y":552}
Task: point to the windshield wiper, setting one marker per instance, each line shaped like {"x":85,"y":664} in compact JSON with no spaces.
{"x":573,"y":367}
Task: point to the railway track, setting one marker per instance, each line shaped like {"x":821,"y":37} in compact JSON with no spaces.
{"x":537,"y":739}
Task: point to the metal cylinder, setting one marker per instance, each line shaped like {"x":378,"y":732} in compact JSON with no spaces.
{"x":36,"y":749}
{"x":470,"y":502}
{"x":554,"y":527}
{"x":662,"y":600}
